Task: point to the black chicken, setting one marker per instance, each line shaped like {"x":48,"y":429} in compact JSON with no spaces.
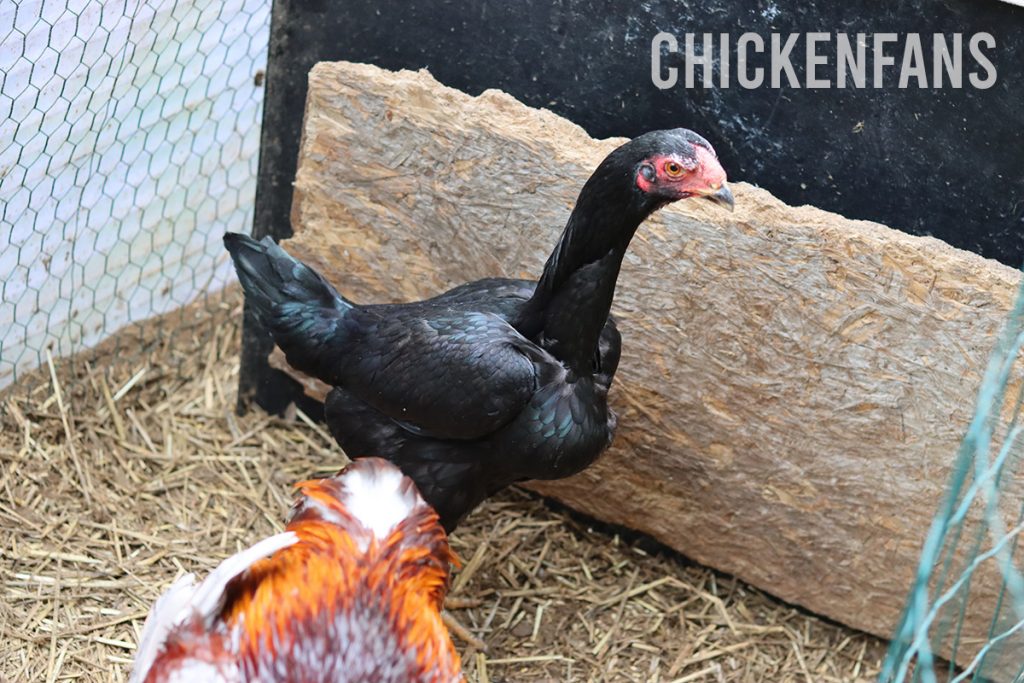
{"x":495,"y":381}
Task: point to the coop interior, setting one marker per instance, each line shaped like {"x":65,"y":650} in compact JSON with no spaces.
{"x":814,"y":470}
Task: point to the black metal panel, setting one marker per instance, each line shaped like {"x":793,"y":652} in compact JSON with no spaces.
{"x":946,"y":162}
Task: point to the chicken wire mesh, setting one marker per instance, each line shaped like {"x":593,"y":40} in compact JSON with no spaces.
{"x":977,"y":528}
{"x":129,"y":139}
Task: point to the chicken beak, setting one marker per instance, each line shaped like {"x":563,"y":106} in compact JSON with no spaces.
{"x":721,"y":196}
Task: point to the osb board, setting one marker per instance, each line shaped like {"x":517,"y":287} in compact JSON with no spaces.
{"x":793,"y":385}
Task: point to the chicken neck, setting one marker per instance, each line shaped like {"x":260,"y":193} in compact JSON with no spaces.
{"x":570,"y":305}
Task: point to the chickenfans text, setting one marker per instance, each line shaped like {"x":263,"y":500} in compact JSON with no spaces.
{"x":824,"y":60}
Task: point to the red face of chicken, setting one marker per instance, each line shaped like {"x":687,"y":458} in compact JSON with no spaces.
{"x":692,"y":171}
{"x":353,"y":592}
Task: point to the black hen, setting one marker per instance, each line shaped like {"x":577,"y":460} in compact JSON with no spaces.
{"x":495,"y":381}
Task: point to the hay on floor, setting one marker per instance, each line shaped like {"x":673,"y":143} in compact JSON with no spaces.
{"x":116,"y":477}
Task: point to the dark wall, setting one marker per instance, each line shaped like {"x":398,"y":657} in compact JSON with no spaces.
{"x":946,"y":162}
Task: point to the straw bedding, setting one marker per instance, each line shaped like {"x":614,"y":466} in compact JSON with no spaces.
{"x":120,"y":471}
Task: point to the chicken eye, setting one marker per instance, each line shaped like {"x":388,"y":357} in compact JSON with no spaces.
{"x":672,"y":169}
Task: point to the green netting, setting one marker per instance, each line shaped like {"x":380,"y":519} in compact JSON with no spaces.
{"x":129,"y":138}
{"x":952,"y":609}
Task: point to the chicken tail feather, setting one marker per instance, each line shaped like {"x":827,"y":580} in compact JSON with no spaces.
{"x":296,"y":304}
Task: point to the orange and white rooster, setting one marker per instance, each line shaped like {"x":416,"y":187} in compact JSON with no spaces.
{"x":351,"y":592}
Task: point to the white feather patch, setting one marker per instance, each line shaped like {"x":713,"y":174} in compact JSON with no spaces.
{"x":205,"y":672}
{"x":374,"y":496}
{"x":168,"y":611}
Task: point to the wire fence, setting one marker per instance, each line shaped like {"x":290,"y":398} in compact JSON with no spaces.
{"x":975,"y":531}
{"x":129,"y":140}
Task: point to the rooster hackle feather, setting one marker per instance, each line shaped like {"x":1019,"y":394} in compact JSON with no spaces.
{"x":351,"y":592}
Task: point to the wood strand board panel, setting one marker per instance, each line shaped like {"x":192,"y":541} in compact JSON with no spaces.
{"x":793,"y":384}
